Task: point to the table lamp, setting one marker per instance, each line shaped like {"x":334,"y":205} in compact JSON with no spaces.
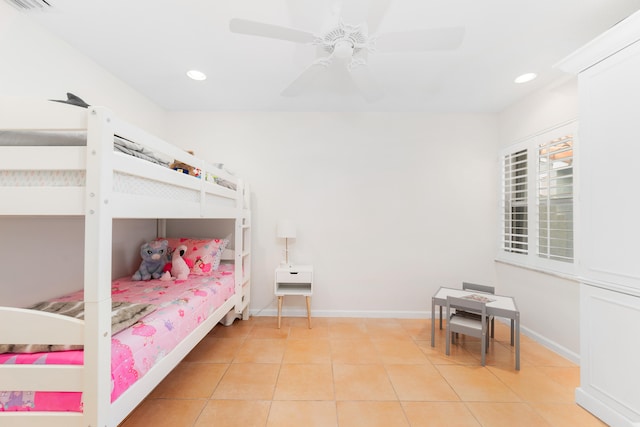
{"x":286,"y":230}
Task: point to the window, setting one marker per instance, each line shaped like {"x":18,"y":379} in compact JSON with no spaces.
{"x":537,"y":200}
{"x":515,"y":200}
{"x":555,"y":199}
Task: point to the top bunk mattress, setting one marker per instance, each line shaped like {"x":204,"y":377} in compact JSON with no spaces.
{"x":43,"y":137}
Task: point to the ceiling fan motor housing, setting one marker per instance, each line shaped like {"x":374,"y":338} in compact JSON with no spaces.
{"x":345,"y":38}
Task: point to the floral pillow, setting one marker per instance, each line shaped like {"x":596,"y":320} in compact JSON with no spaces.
{"x":203,"y":255}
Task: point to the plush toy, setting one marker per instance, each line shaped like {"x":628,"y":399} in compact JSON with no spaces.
{"x":179,"y":267}
{"x":185,"y":168}
{"x":154,"y":257}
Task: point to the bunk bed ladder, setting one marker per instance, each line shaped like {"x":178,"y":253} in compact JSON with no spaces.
{"x":243,"y":250}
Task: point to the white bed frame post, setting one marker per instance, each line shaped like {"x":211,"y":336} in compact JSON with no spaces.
{"x":97,"y":269}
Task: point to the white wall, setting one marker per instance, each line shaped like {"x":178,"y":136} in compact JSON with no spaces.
{"x":388,"y":207}
{"x":35,"y":65}
{"x":540,"y":294}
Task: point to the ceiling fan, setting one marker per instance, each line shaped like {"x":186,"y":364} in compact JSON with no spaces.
{"x":350,"y":40}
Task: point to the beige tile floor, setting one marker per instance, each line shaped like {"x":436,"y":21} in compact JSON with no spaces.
{"x":361,"y":372}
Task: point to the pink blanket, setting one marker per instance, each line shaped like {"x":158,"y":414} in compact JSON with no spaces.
{"x":182,"y":306}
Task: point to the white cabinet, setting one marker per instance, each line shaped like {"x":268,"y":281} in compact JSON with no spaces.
{"x":609,"y":349}
{"x":609,"y":149}
{"x":294,"y":280}
{"x":608,"y":208}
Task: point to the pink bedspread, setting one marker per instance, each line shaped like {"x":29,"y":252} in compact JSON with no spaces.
{"x":182,"y":306}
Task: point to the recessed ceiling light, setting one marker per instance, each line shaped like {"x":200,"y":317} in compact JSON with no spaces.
{"x":525,"y":78}
{"x":196,"y":75}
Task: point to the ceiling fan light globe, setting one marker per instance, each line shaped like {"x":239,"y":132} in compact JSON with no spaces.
{"x":343,"y":49}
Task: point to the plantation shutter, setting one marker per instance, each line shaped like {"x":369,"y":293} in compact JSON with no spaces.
{"x":514,"y":203}
{"x":555,"y":199}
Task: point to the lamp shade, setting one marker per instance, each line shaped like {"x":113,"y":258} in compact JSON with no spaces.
{"x":286,"y":229}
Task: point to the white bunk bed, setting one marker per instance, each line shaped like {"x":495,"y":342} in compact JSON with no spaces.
{"x":113,"y":185}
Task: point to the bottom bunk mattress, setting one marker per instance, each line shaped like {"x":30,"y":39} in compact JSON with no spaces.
{"x":180,"y":307}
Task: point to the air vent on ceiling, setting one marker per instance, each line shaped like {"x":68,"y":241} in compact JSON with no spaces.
{"x":31,"y":5}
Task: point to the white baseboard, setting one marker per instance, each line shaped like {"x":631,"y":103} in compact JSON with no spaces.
{"x":292,"y":312}
{"x":598,"y":407}
{"x":551,"y":345}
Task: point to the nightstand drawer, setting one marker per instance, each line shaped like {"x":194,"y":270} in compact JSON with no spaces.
{"x":293,"y":276}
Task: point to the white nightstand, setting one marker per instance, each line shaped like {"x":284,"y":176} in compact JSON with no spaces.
{"x":294,"y":280}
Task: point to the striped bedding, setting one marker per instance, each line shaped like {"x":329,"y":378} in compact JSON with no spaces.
{"x":123,"y":315}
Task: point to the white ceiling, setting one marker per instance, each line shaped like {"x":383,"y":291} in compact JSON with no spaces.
{"x":150,"y":44}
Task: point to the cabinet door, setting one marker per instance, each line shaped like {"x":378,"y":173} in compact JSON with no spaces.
{"x":609,"y":170}
{"x":609,"y":366}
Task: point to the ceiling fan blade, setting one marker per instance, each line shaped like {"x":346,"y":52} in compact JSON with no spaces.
{"x":255,"y":28}
{"x":421,"y":40}
{"x":304,"y":80}
{"x":365,"y":83}
{"x":377,"y":11}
